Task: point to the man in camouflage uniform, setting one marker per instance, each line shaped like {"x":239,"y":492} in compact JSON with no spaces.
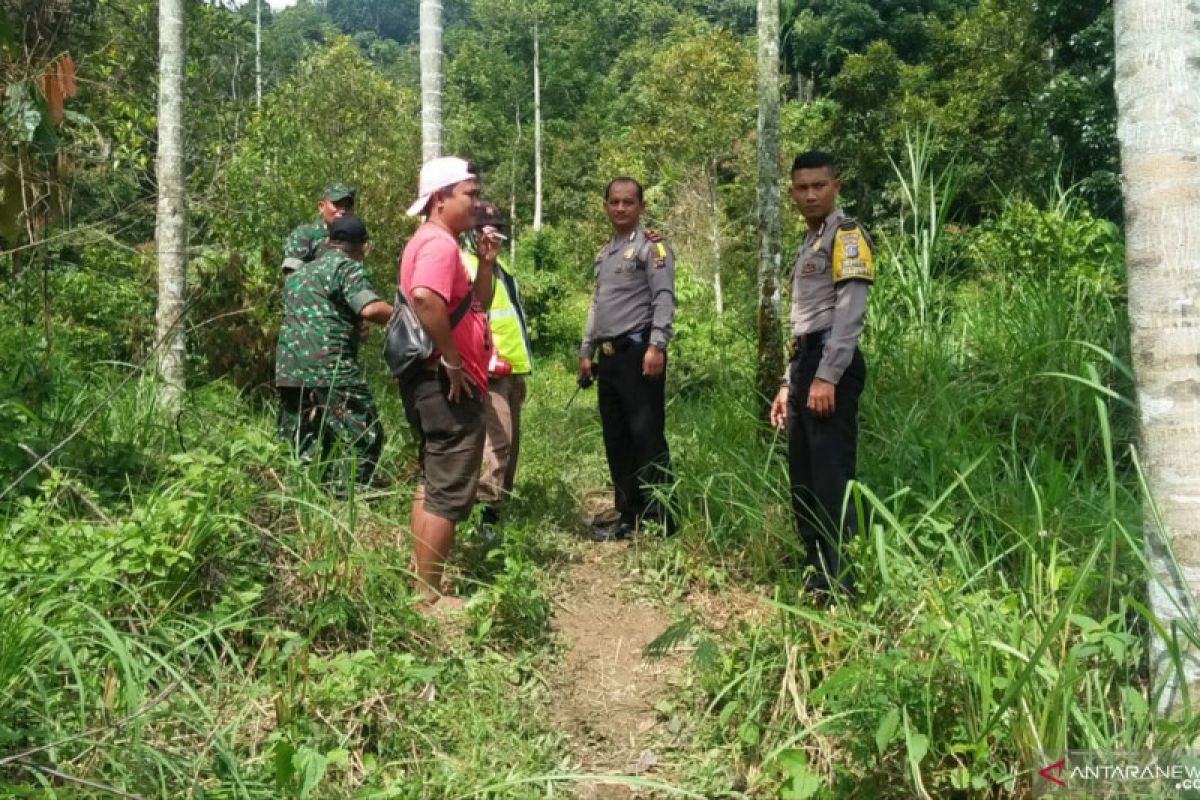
{"x":323,"y":395}
{"x":305,"y":241}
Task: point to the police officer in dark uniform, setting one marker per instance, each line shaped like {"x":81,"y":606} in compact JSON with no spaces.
{"x":818,"y":401}
{"x":628,"y":328}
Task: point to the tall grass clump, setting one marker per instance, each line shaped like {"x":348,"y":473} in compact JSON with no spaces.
{"x":185,"y":612}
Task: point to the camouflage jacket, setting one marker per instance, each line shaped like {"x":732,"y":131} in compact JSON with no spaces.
{"x":303,"y":245}
{"x":322,"y":304}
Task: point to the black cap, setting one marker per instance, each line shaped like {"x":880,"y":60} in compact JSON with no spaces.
{"x":347,"y":228}
{"x":489,"y":214}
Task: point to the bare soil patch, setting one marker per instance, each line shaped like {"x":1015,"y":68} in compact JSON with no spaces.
{"x":605,"y":690}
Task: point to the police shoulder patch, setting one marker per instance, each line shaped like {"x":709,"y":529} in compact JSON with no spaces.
{"x":660,"y":255}
{"x":853,"y":256}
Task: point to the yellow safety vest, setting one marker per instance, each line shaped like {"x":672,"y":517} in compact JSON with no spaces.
{"x":506,"y":320}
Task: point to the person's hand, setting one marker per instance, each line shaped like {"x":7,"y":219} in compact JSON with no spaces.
{"x":460,"y":384}
{"x":487,"y":249}
{"x":585,"y":368}
{"x":652,"y":362}
{"x":779,"y":408}
{"x":820,"y":398}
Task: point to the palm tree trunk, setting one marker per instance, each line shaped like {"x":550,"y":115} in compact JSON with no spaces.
{"x":770,"y":341}
{"x":431,"y":79}
{"x":258,"y":53}
{"x":714,"y":237}
{"x":171,"y":223}
{"x":537,"y":131}
{"x":1157,"y":72}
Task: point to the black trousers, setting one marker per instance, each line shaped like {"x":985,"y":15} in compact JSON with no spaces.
{"x":822,"y":453}
{"x":633,"y":417}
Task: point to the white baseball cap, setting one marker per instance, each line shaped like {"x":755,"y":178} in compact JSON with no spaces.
{"x":438,"y":173}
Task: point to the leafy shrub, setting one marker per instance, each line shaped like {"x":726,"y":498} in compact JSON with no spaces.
{"x":355,"y":126}
{"x":554,"y":308}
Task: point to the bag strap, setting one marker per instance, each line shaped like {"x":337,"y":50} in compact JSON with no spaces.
{"x":463,"y":306}
{"x":456,"y":316}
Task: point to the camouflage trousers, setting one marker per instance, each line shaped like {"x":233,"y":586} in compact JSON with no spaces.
{"x":315,"y":420}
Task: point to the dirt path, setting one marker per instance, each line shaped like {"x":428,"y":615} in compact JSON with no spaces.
{"x":605,"y":691}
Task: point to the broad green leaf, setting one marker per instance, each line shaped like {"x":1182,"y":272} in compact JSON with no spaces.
{"x":800,"y":787}
{"x":21,"y":115}
{"x":886,"y":731}
{"x":749,"y":733}
{"x":918,"y":747}
{"x":311,"y":766}
{"x":283,"y":764}
{"x":801,"y":783}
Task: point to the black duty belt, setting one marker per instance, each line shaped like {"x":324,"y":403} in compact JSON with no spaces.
{"x":810,"y":341}
{"x":619,"y":344}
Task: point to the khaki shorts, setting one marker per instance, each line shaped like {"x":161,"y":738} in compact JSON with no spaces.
{"x":450,"y":440}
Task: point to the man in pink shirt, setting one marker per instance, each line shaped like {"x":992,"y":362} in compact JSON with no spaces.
{"x":442,"y":398}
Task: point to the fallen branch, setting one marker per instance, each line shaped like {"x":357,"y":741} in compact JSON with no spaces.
{"x":71,"y":485}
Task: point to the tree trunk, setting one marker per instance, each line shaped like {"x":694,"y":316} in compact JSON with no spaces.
{"x":431,"y":79}
{"x":770,"y":340}
{"x":258,"y":54}
{"x":537,"y":131}
{"x":1157,"y":72}
{"x":512,"y":196}
{"x":714,"y":237}
{"x":171,"y":223}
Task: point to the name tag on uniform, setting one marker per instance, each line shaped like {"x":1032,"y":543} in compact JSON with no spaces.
{"x":808,"y":268}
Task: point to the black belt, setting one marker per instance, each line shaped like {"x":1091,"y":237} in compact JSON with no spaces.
{"x":810,"y":341}
{"x":625,"y":341}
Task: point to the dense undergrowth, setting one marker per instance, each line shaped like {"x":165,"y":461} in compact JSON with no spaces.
{"x":185,"y":614}
{"x":218,"y":626}
{"x":1002,"y":613}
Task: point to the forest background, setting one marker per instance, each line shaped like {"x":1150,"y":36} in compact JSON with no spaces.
{"x":187,"y":614}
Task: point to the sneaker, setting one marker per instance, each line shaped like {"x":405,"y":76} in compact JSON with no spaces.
{"x":488,"y":534}
{"x":488,"y":531}
{"x":614,"y":533}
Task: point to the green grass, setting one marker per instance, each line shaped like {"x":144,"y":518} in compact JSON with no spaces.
{"x":225,"y":629}
{"x":184,"y":613}
{"x":1001,"y":568}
